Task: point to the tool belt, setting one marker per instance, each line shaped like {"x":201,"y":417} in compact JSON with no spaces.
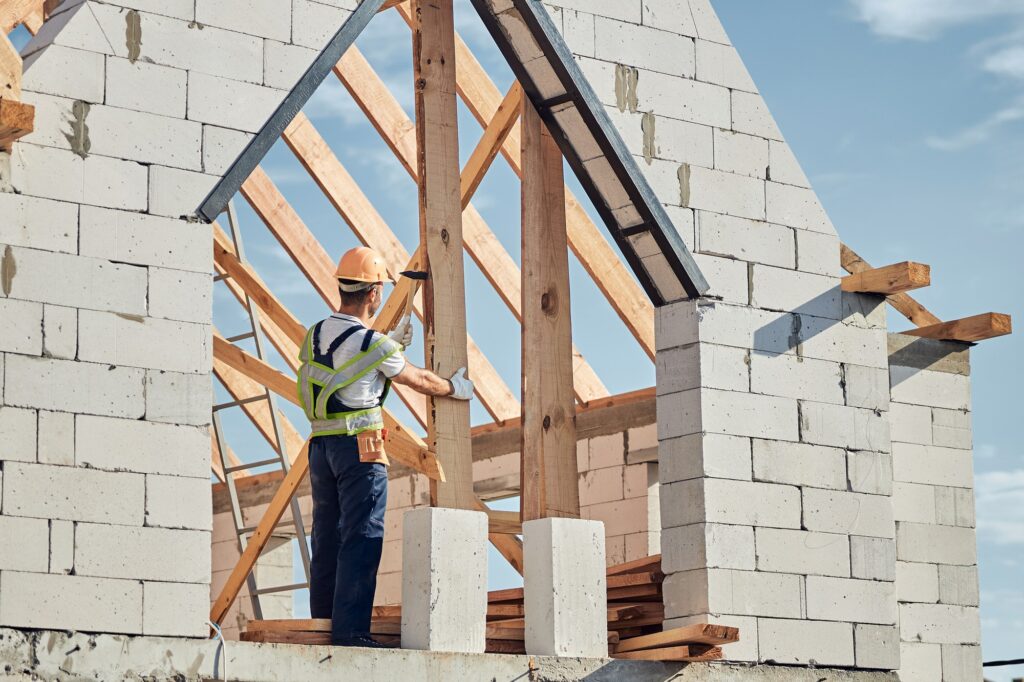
{"x":371,"y":447}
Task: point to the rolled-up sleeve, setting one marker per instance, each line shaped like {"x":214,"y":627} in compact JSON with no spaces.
{"x":393,"y":365}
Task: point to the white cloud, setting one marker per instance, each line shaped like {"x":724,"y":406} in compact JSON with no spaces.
{"x":1006,"y":62}
{"x":1000,"y":506}
{"x":979,"y":132}
{"x":926,"y":19}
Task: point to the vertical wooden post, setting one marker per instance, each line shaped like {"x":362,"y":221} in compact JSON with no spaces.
{"x":444,"y":293}
{"x":549,"y":475}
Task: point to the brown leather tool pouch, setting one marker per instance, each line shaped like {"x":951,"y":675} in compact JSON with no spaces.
{"x":371,"y":447}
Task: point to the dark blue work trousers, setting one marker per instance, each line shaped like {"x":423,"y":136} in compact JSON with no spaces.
{"x":349,"y":498}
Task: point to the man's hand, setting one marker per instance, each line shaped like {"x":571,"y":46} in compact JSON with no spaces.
{"x":462,"y":388}
{"x":402,"y":333}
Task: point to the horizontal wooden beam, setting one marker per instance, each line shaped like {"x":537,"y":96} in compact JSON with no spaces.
{"x":504,"y":522}
{"x":16,"y":121}
{"x":888,"y":280}
{"x":969,"y":329}
{"x":902,"y":302}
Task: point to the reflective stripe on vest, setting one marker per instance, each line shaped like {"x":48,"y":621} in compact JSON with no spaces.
{"x":330,"y":381}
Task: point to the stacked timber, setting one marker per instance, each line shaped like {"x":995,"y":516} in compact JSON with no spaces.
{"x":635,"y":615}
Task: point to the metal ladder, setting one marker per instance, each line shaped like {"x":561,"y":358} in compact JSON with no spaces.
{"x":242,"y":532}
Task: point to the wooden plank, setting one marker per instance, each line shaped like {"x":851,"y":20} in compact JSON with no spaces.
{"x":698,"y":633}
{"x":10,"y":69}
{"x":310,"y":256}
{"x":258,"y":540}
{"x":549,"y":477}
{"x":16,"y":121}
{"x":902,"y":302}
{"x":483,"y":246}
{"x":596,"y":256}
{"x":647,"y":563}
{"x":370,"y":228}
{"x":403,"y":446}
{"x":888,"y":280}
{"x":444,"y":297}
{"x":968,"y":329}
{"x":287,"y":637}
{"x":504,"y":522}
{"x":490,"y":142}
{"x":683,"y":654}
{"x":289,"y":625}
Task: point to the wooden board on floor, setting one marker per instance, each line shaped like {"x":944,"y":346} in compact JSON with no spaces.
{"x":698,"y":633}
{"x":687,"y":653}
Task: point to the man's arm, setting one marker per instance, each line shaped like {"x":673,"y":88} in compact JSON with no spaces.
{"x":423,"y":381}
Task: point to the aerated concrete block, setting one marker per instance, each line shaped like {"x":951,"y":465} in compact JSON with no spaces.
{"x":60,"y":332}
{"x":940,"y":623}
{"x":932,"y":465}
{"x":178,"y":398}
{"x":26,"y":543}
{"x":877,"y":646}
{"x":710,"y":454}
{"x":818,"y":252}
{"x":707,"y":545}
{"x":954,"y":507}
{"x":750,"y":115}
{"x":842,"y":599}
{"x":792,"y":290}
{"x":684,"y":99}
{"x":183,"y":346}
{"x":803,"y":642}
{"x":934,"y":389}
{"x":230,"y":103}
{"x":870,"y":472}
{"x":17,"y":434}
{"x":145,"y":137}
{"x":729,"y":277}
{"x":798,"y":551}
{"x":676,"y":141}
{"x":565,"y":588}
{"x":63,"y":602}
{"x":62,"y":546}
{"x":873,"y":558}
{"x":666,"y":15}
{"x":176,"y":193}
{"x":785,"y":168}
{"x":748,"y":414}
{"x":178,"y":502}
{"x":22,"y":331}
{"x":720,"y":192}
{"x":913,"y":502}
{"x":842,"y":426}
{"x":175,"y":609}
{"x":747,"y":240}
{"x":135,"y":553}
{"x":743,"y":593}
{"x":141,"y":86}
{"x":799,"y":464}
{"x":961,"y":663}
{"x":284,"y":64}
{"x":144,"y":239}
{"x":114,"y":183}
{"x":38,"y":223}
{"x":56,"y":438}
{"x":910,"y":423}
{"x":444,"y":580}
{"x":615,"y":9}
{"x":221,"y":146}
{"x":644,"y":47}
{"x":265,"y":18}
{"x":917,"y":582}
{"x":140,"y":446}
{"x":834,"y":511}
{"x":920,"y":662}
{"x":180,"y":295}
{"x":86,"y":495}
{"x":314,"y":23}
{"x":58,"y":70}
{"x":958,"y":585}
{"x":111,"y":286}
{"x":794,"y":377}
{"x":731,"y":502}
{"x":795,"y":206}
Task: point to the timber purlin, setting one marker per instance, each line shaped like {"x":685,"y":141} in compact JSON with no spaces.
{"x":634,"y":627}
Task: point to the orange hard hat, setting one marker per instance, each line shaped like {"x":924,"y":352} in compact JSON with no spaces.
{"x":362,"y":264}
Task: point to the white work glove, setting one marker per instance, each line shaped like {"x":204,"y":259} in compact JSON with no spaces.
{"x":402,"y":333}
{"x":462,"y":388}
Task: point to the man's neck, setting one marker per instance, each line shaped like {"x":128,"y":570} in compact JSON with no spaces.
{"x":361,"y":313}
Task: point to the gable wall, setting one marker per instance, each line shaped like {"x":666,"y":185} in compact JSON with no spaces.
{"x":774,"y":454}
{"x":106,"y":351}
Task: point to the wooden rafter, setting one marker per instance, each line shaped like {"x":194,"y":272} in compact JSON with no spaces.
{"x":483,"y":98}
{"x":370,"y":228}
{"x":483,"y":246}
{"x":490,"y":142}
{"x":548,"y":453}
{"x":889,"y":280}
{"x":911,"y":309}
{"x":309,"y":256}
{"x":444,"y":292}
{"x":968,"y":329}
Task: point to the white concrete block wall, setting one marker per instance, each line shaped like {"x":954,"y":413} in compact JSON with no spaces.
{"x":105,"y":386}
{"x":933,"y":503}
{"x":775,"y":453}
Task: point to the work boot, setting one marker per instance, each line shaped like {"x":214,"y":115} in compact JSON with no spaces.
{"x":362,"y":641}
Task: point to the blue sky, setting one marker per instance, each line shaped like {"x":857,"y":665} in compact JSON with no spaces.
{"x":908,"y":117}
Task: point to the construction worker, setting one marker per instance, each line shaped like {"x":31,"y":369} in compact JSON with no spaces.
{"x":346,"y":372}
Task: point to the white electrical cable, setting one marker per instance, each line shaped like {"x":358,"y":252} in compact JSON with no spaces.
{"x":223,"y":648}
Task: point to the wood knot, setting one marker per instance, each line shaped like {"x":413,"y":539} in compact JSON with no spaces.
{"x":549,"y":302}
{"x":444,"y":235}
{"x":547,"y":422}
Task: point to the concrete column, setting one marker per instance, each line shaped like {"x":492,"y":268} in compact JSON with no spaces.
{"x":565,"y":588}
{"x":444,"y":580}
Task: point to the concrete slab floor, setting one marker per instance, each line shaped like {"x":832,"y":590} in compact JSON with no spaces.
{"x":67,"y":657}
